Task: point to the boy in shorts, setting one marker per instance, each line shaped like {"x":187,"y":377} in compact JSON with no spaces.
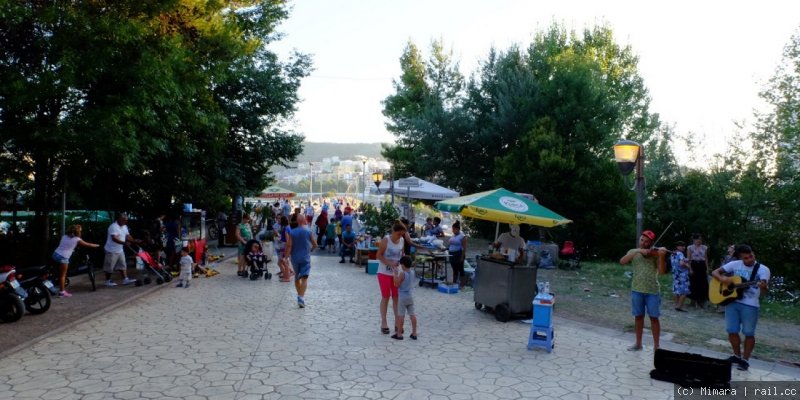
{"x":403,"y":278}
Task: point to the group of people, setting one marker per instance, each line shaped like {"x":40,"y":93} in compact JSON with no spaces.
{"x":690,"y":278}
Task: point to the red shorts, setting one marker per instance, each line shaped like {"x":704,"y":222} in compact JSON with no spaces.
{"x":386,"y":282}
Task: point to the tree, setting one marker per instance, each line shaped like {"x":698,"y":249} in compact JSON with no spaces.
{"x":538,"y":120}
{"x":149,"y":101}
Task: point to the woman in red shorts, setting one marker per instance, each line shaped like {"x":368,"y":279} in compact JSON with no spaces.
{"x":390,"y":250}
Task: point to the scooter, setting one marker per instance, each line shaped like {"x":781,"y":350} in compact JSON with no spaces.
{"x":36,"y":282}
{"x":12,"y":295}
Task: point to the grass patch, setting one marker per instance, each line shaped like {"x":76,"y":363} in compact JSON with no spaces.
{"x":599,"y":293}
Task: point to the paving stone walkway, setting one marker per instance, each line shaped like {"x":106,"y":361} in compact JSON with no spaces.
{"x":232,"y":338}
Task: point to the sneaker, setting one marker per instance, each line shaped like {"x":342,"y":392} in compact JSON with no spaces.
{"x":65,"y":293}
{"x":128,"y":281}
{"x":635,"y":348}
{"x":300,"y":302}
{"x":734,"y":359}
{"x":743,"y":365}
{"x":186,"y":286}
{"x":110,"y":283}
{"x":180,"y":284}
{"x":352,"y":261}
{"x":341,"y":261}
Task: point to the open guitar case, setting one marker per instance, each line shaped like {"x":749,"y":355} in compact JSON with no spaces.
{"x":691,"y":370}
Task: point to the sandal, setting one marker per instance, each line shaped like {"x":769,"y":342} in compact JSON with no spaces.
{"x":395,"y":336}
{"x":413,"y":337}
{"x":385,"y":331}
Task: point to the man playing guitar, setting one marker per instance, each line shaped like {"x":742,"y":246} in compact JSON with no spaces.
{"x":742,"y":314}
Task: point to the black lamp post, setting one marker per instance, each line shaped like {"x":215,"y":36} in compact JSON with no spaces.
{"x":629,"y":155}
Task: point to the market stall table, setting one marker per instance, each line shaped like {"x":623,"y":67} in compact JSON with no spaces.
{"x":435,"y":263}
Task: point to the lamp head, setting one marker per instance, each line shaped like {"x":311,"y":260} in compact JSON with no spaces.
{"x":626,"y":153}
{"x":377,"y":177}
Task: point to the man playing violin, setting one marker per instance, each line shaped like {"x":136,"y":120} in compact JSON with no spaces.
{"x":647,"y":263}
{"x":742,"y":314}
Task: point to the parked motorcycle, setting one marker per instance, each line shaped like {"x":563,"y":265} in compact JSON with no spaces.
{"x":12,"y":295}
{"x":36,"y":282}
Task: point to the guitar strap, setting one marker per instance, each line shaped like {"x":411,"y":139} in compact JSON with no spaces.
{"x":755,"y":271}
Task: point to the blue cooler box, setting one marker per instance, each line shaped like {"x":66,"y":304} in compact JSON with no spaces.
{"x":542,"y":314}
{"x":372,"y":267}
{"x":450,"y":289}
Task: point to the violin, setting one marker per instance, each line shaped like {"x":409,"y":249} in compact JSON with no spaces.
{"x":653,"y":251}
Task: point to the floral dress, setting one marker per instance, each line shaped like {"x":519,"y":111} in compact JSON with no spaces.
{"x":680,"y":275}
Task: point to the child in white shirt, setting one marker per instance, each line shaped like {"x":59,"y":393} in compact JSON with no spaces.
{"x":186,"y":265}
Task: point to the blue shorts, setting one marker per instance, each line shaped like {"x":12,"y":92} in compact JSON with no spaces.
{"x":60,"y":259}
{"x":301,"y":269}
{"x":641,"y":301}
{"x":741,"y":315}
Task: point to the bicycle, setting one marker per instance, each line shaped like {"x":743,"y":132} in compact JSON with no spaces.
{"x":85,"y":265}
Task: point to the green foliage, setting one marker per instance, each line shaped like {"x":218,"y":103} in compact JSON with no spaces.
{"x":132,"y":104}
{"x":378,"y":221}
{"x":538,"y":120}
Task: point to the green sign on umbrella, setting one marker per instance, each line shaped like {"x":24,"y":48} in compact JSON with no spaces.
{"x":501,"y":205}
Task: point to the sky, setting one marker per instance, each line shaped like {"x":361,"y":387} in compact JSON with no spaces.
{"x":704,"y":62}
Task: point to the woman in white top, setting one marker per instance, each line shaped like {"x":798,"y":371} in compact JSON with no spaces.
{"x":390,"y":250}
{"x":64,"y":251}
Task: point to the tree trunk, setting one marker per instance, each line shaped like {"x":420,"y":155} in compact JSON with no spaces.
{"x":40,"y":232}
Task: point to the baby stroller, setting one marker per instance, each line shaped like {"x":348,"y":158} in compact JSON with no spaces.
{"x":257,"y":261}
{"x":570,"y":257}
{"x":145,"y":263}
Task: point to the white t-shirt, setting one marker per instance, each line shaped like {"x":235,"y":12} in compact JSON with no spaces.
{"x":394,"y":252}
{"x":751,"y":294}
{"x":510,"y":242}
{"x":67,"y":246}
{"x":120,"y":232}
{"x":310,"y":211}
{"x":186,"y":265}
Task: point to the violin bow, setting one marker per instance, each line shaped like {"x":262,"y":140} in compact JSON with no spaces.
{"x":662,"y":234}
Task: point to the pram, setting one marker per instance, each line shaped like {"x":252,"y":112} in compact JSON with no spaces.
{"x":257,"y":262}
{"x":146,"y":264}
{"x":570,"y":257}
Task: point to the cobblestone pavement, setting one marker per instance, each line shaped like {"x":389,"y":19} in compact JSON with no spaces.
{"x":232,"y":338}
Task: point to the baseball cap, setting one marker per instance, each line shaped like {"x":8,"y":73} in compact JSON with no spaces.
{"x":649,"y":234}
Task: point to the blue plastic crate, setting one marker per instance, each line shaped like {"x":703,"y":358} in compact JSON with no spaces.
{"x":449,"y":289}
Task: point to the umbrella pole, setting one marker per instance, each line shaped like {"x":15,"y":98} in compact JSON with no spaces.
{"x":496,"y":232}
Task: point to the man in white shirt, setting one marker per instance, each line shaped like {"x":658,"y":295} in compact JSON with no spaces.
{"x":742,"y":314}
{"x":511,"y":242}
{"x":118,"y":236}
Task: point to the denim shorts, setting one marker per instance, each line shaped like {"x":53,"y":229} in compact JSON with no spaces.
{"x":741,"y":315}
{"x":301,"y":269}
{"x":60,"y":259}
{"x":641,"y":301}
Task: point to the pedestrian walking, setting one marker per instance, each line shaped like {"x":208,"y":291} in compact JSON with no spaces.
{"x":299,"y":245}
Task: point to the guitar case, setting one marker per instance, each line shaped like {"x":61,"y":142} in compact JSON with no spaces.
{"x":691,"y":370}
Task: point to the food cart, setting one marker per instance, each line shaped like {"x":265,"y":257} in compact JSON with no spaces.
{"x":507,"y":288}
{"x":193,"y":234}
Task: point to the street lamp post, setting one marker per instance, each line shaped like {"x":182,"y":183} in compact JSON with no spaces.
{"x":363,"y":182}
{"x":629,"y":155}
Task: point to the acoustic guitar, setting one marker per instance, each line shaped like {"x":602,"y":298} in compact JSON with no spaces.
{"x":723,"y":294}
